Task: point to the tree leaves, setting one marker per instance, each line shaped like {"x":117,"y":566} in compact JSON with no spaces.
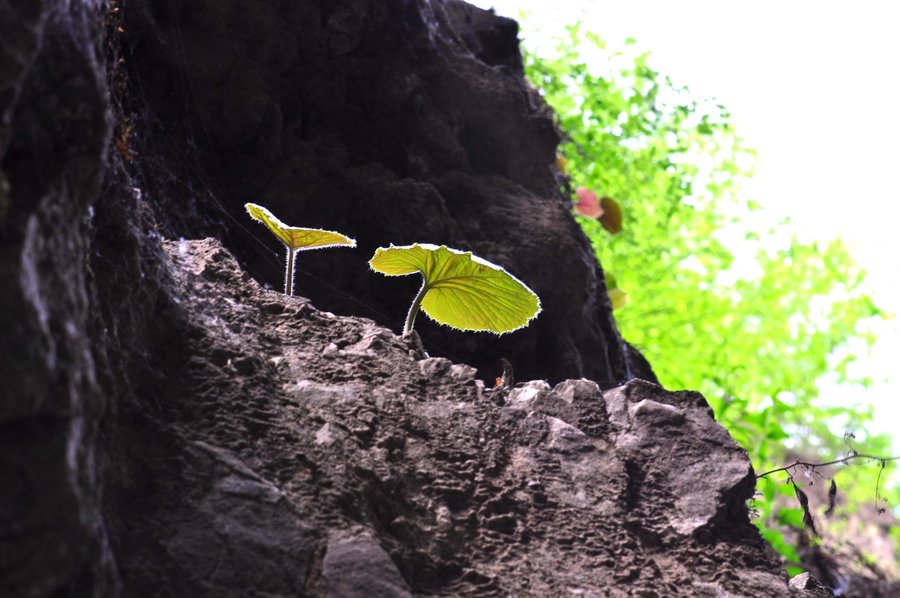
{"x":294,"y":237}
{"x":755,"y":334}
{"x":459,"y":289}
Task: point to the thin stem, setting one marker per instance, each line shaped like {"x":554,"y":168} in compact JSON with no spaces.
{"x":414,"y":309}
{"x":289,"y":272}
{"x":850,"y":457}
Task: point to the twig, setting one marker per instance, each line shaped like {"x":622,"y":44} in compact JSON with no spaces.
{"x":850,"y":457}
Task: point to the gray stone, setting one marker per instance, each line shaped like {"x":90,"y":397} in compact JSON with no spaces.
{"x":807,"y":586}
{"x":359,"y":567}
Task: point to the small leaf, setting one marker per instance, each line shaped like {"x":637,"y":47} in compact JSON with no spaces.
{"x":810,"y":523}
{"x":791,"y":517}
{"x":832,"y":497}
{"x":588,"y":205}
{"x":562,"y":164}
{"x":294,"y":237}
{"x":769,"y":490}
{"x":506,"y":379}
{"x":785,"y":490}
{"x":460,"y":290}
{"x":617,"y":298}
{"x":804,"y":504}
{"x":801,"y":497}
{"x":610,"y":215}
{"x":611,"y":282}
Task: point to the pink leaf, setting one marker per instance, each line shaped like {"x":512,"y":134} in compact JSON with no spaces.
{"x":588,"y":204}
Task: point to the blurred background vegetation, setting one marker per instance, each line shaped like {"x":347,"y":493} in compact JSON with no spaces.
{"x":717,"y":300}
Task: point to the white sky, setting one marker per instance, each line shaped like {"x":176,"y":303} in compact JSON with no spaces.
{"x":814,"y":86}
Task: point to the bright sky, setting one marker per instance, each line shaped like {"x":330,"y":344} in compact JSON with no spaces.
{"x":814,"y":86}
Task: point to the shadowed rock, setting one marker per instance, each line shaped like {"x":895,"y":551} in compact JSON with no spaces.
{"x":170,"y":427}
{"x":404,"y":471}
{"x":393,"y":122}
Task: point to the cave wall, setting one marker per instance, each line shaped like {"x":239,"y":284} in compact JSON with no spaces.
{"x":168,"y":426}
{"x":54,"y":131}
{"x":122,"y":123}
{"x":392,"y":122}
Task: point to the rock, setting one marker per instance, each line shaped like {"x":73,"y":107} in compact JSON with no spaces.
{"x":168,"y":425}
{"x":323,"y":395}
{"x":54,"y":131}
{"x":434,"y":366}
{"x":359,"y":567}
{"x":679,"y":431}
{"x":422,"y":485}
{"x":393,"y":122}
{"x":807,"y":586}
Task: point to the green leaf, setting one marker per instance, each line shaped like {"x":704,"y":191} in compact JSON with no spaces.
{"x":617,"y":298}
{"x":719,"y":300}
{"x":769,"y":490}
{"x":791,"y":516}
{"x":460,"y":290}
{"x":294,"y":237}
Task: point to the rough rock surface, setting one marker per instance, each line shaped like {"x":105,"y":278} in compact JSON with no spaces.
{"x":292,"y":451}
{"x":169,"y":427}
{"x":54,"y":131}
{"x":390,"y":121}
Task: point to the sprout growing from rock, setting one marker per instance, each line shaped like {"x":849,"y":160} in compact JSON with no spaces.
{"x":296,"y":239}
{"x":459,"y":289}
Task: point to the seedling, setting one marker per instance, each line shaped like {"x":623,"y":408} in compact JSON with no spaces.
{"x":296,"y":239}
{"x":459,"y":289}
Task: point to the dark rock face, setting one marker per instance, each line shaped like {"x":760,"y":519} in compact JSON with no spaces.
{"x":169,"y":427}
{"x":54,"y":130}
{"x":392,"y":122}
{"x":295,"y":452}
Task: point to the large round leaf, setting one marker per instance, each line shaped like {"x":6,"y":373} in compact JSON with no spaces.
{"x":296,"y":238}
{"x":461,"y":290}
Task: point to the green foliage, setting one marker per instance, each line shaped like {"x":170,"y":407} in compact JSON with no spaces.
{"x":780,"y":543}
{"x":754,"y":325}
{"x":296,"y":239}
{"x":459,"y":289}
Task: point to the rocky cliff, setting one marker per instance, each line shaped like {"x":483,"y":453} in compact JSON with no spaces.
{"x":171,"y":427}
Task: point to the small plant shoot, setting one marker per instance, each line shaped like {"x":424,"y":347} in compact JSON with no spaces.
{"x":459,"y":289}
{"x":296,"y":239}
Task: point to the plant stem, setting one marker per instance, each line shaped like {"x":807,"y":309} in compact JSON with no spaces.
{"x":289,"y":272}
{"x":414,"y":309}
